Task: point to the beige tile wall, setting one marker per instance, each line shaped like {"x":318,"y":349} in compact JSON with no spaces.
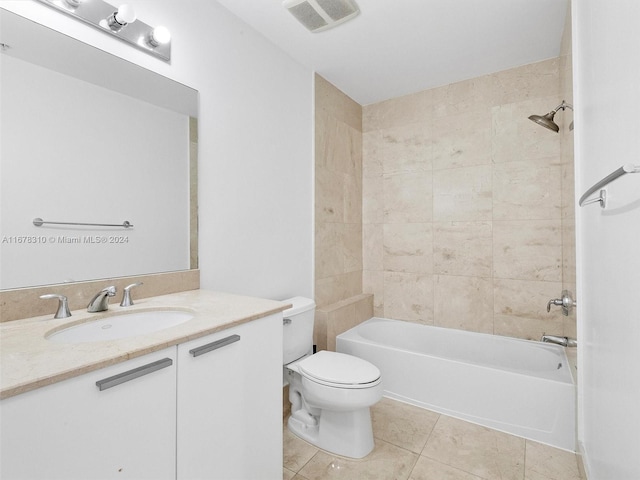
{"x":332,"y":320}
{"x":568,"y":202}
{"x":338,"y":195}
{"x":467,"y":206}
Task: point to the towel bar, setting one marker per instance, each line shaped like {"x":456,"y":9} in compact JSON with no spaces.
{"x":604,"y":182}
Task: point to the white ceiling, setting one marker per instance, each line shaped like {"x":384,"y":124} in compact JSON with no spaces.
{"x":397,"y":47}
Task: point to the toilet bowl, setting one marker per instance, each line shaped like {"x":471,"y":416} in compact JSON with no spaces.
{"x":330,"y":393}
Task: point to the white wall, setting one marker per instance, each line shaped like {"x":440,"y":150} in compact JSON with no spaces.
{"x":607,"y":135}
{"x":255,"y":141}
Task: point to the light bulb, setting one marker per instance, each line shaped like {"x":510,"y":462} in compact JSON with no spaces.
{"x":159,"y":36}
{"x":125,"y":14}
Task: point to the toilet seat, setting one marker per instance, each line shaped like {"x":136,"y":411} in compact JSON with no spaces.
{"x":339,"y":370}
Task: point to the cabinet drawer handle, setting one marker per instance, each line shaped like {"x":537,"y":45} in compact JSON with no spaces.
{"x":135,"y":373}
{"x":215,"y":345}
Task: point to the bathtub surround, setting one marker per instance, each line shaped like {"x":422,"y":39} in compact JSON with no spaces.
{"x":338,"y":195}
{"x":463,"y":204}
{"x":339,"y":317}
{"x":568,"y":200}
{"x":338,"y":215}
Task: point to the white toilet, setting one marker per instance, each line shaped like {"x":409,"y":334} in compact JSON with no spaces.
{"x":330,"y":393}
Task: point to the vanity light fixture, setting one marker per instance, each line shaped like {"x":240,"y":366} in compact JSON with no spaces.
{"x":159,"y":36}
{"x":121,"y":22}
{"x":121,"y":18}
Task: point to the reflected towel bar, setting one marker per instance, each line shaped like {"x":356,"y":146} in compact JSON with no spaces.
{"x":38,"y":222}
{"x":604,"y":182}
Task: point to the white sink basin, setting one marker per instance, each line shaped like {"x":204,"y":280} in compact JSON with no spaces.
{"x":120,"y":326}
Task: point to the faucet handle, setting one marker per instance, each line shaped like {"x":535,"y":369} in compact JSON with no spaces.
{"x":126,"y":294}
{"x":63,"y":305}
{"x":553,"y":301}
{"x":566,"y":302}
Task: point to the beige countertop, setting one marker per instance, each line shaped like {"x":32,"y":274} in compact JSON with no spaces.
{"x":30,"y":361}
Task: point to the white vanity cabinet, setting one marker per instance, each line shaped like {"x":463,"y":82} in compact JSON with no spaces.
{"x":73,"y":430}
{"x":230,"y":403}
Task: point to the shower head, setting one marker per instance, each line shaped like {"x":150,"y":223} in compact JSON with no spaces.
{"x":547,"y":120}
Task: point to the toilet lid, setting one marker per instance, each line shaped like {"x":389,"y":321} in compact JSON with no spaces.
{"x":338,"y":368}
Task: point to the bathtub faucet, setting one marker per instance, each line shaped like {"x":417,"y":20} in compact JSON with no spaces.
{"x":562,"y":341}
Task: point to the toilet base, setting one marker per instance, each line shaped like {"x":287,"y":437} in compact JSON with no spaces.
{"x":348,"y":434}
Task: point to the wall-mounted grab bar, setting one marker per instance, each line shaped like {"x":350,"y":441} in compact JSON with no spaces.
{"x":38,"y":222}
{"x":604,"y":182}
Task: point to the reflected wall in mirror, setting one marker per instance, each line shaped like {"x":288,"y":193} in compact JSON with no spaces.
{"x":88,"y":137}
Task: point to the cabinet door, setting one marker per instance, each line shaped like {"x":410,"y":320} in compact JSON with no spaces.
{"x":230,"y":403}
{"x":73,"y":430}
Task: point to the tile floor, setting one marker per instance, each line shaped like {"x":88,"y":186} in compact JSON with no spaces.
{"x":417,"y":444}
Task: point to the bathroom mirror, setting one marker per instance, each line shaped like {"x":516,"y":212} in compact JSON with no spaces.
{"x":89,"y":138}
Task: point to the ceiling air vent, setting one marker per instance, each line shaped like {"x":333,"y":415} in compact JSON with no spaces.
{"x":319,"y":15}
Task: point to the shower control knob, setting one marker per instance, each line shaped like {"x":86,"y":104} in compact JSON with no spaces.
{"x":566,"y":302}
{"x":554,"y":301}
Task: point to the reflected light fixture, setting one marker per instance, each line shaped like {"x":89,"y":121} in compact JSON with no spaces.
{"x":121,"y":22}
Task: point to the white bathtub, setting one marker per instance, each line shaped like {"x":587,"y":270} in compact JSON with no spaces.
{"x":521,"y":387}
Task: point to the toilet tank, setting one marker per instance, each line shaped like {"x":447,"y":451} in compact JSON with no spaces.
{"x":298,"y":328}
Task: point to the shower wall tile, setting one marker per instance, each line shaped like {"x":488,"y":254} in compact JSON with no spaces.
{"x":372,"y":154}
{"x":462,"y":140}
{"x":408,"y":296}
{"x":416,"y":107}
{"x":408,"y":247}
{"x":569,"y":251}
{"x":337,"y":104}
{"x":352,"y":205}
{"x":464,"y":303}
{"x":516,"y":138}
{"x":373,"y":199}
{"x":337,"y":287}
{"x":463,"y":97}
{"x":341,"y":147}
{"x":527,"y":250}
{"x":462,"y":194}
{"x":406,"y":148}
{"x":329,"y":201}
{"x":373,"y":283}
{"x":339,"y":195}
{"x":407,"y":197}
{"x":520,"y":308}
{"x":338,"y":249}
{"x":372,"y":246}
{"x":533,"y":81}
{"x":352,"y":246}
{"x":463,"y":248}
{"x":464,"y":164}
{"x":329,"y":259}
{"x":527,"y":190}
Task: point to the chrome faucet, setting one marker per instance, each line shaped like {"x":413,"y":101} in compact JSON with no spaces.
{"x":126,"y":295}
{"x":100,"y":302}
{"x":63,"y":305}
{"x":558,"y":340}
